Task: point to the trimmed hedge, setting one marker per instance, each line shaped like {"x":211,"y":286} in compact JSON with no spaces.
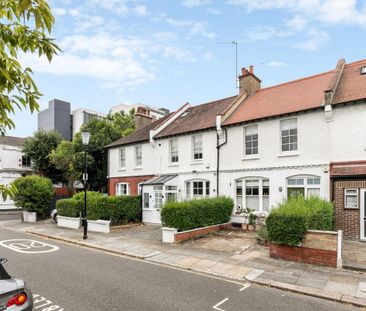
{"x":199,"y":213}
{"x":118,"y":210}
{"x":34,"y":194}
{"x":287,"y":224}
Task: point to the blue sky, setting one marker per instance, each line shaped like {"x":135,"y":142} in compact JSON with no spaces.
{"x":164,"y":53}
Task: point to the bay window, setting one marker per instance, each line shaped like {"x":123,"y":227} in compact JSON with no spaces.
{"x":305,"y":186}
{"x":197,"y":189}
{"x":252,"y":193}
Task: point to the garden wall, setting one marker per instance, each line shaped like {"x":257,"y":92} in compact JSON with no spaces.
{"x":318,"y":247}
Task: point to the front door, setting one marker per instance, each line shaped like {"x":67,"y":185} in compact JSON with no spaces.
{"x":363,"y":214}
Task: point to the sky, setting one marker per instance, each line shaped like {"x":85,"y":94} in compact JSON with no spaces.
{"x":164,"y":53}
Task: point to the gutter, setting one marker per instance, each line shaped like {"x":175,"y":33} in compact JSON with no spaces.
{"x":218,"y":147}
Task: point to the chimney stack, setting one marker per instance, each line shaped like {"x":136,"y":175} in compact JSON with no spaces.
{"x":248,"y":81}
{"x":142,"y":118}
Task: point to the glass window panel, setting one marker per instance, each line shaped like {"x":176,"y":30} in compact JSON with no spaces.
{"x":146,"y":200}
{"x":252,"y":202}
{"x":265,"y":204}
{"x":251,"y":140}
{"x":207,"y":188}
{"x":313,"y":192}
{"x":197,"y":147}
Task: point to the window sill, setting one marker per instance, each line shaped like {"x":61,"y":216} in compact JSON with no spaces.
{"x":122,"y":169}
{"x":246,"y":158}
{"x":196,"y":162}
{"x":288,"y":154}
{"x":173,"y":165}
{"x":137,"y":168}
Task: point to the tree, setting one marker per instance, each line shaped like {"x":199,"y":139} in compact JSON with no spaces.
{"x":102,"y":133}
{"x":24,"y":25}
{"x":65,"y":159}
{"x":39,"y":148}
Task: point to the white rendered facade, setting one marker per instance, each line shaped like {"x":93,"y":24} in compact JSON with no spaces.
{"x":265,"y":178}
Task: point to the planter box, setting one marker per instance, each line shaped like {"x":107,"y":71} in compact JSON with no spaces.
{"x":68,"y":222}
{"x":171,"y":235}
{"x":29,"y":216}
{"x":239,"y":219}
{"x":168,"y":234}
{"x":103,"y":226}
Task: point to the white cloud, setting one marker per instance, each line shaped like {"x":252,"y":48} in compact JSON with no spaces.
{"x":276,"y":64}
{"x":214,"y":11}
{"x":58,"y":11}
{"x":316,"y":39}
{"x":194,"y":28}
{"x":140,"y":10}
{"x":297,"y":23}
{"x":164,"y":36}
{"x":328,"y":12}
{"x":194,"y":3}
{"x":266,"y":33}
{"x":116,"y":6}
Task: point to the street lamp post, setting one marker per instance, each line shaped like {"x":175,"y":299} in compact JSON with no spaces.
{"x":85,"y":138}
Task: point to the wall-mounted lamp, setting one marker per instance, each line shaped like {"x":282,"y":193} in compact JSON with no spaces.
{"x":280,"y":189}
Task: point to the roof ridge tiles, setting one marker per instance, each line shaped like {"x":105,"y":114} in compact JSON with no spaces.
{"x":214,"y":101}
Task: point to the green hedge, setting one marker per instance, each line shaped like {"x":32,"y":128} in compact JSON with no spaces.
{"x":196,"y":213}
{"x":119,"y":210}
{"x":68,"y":207}
{"x":288,"y":222}
{"x":34,"y":194}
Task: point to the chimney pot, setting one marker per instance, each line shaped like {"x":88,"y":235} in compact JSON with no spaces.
{"x":251,"y":69}
{"x":244,"y":71}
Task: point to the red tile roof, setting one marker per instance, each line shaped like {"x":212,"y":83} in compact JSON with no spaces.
{"x":352,"y":85}
{"x":302,"y":94}
{"x":199,"y":117}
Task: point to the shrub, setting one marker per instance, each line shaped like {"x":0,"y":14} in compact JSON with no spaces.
{"x":262,"y":234}
{"x":288,"y":222}
{"x":121,"y":209}
{"x":68,"y":207}
{"x":196,"y":213}
{"x":34,"y":194}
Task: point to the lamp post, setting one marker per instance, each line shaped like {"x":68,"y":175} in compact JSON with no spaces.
{"x":85,"y":138}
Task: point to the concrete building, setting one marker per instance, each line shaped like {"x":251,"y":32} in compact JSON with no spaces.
{"x":302,"y":138}
{"x":13,"y":164}
{"x":58,"y":116}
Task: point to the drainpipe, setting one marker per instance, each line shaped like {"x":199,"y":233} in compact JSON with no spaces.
{"x":218,"y":146}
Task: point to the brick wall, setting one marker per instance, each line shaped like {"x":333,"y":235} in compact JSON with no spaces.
{"x":133,"y":181}
{"x":347,"y":220}
{"x":317,"y":248}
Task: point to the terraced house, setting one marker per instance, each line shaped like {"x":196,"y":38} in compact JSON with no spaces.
{"x":305,"y":137}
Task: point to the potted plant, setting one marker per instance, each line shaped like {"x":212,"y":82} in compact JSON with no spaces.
{"x":251,"y":221}
{"x":34,"y":195}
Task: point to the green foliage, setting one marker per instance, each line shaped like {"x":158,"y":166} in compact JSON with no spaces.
{"x":288,"y":222}
{"x":23,"y":27}
{"x":68,"y":208}
{"x":262,"y":234}
{"x":196,"y":213}
{"x":65,"y":159}
{"x":102,"y":133}
{"x":252,"y":218}
{"x":34,"y":194}
{"x":119,"y":210}
{"x":38,"y":148}
{"x":8,"y":191}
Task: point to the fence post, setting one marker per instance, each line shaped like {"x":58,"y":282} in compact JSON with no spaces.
{"x":339,"y":249}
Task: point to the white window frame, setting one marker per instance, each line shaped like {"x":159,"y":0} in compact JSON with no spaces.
{"x":122,"y":160}
{"x":138,"y":156}
{"x":174,"y":154}
{"x":242,"y":197}
{"x":189,"y":189}
{"x":345,"y":198}
{"x":197,"y":146}
{"x":171,"y":189}
{"x":305,"y":183}
{"x":118,"y":188}
{"x":289,"y":124}
{"x":251,"y":130}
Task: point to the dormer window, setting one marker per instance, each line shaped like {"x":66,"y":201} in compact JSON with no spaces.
{"x":363,"y":70}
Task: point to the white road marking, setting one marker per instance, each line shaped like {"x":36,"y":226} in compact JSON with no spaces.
{"x":216,"y":306}
{"x":245,"y":287}
{"x":252,"y":275}
{"x":27,"y":246}
{"x":45,"y":304}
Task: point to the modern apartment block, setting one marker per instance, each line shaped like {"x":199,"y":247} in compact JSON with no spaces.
{"x":59,"y":117}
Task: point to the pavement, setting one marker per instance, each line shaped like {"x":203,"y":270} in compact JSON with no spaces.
{"x":66,"y":277}
{"x":241,"y":260}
